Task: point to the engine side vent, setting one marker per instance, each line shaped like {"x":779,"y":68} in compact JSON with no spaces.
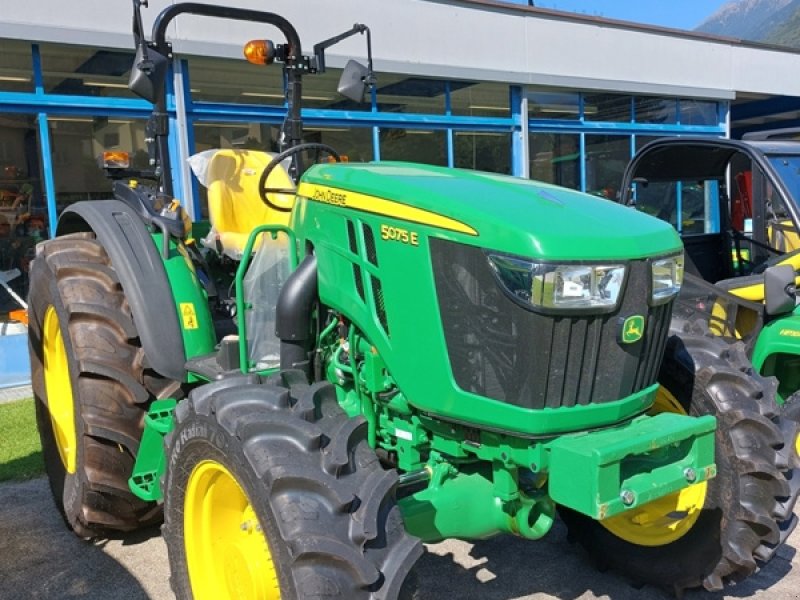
{"x":353,"y":243}
{"x":369,"y":245}
{"x":359,"y":282}
{"x":351,"y":237}
{"x":380,"y":306}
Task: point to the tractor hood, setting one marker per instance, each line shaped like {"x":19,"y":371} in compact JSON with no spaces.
{"x":500,"y":212}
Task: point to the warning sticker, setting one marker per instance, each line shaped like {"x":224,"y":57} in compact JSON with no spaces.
{"x":189,"y":316}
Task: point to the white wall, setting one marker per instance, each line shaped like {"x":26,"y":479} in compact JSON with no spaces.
{"x":453,"y":39}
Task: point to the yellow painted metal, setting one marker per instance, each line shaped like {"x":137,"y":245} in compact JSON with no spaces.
{"x":797,"y":444}
{"x":381,"y":206}
{"x":234,"y":204}
{"x":226,"y":549}
{"x":667,"y":519}
{"x":58,"y":388}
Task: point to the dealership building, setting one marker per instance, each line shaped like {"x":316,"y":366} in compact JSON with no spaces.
{"x":554,"y":96}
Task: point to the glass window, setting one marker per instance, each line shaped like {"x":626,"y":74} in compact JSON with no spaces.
{"x":77,"y":142}
{"x":247,"y":136}
{"x":483,"y":151}
{"x":417,"y":146}
{"x":555,"y":158}
{"x":695,"y":201}
{"x":606,"y":159}
{"x":16,"y":66}
{"x":319,"y":91}
{"x":77,"y":70}
{"x":406,"y":94}
{"x":607,"y":107}
{"x":355,"y":145}
{"x":552,"y":105}
{"x":480,"y":99}
{"x":699,"y":112}
{"x":662,"y":111}
{"x":236,"y":81}
{"x":23,"y":209}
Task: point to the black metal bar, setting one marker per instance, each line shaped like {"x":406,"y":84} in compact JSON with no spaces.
{"x":294,"y":64}
{"x":226,"y":12}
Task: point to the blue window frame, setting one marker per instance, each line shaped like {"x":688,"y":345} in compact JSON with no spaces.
{"x":628,"y":119}
{"x":462,"y":115}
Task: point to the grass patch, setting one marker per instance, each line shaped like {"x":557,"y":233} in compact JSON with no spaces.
{"x":20,"y":451}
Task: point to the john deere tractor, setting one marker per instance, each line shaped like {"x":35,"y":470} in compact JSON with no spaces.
{"x":419,"y":353}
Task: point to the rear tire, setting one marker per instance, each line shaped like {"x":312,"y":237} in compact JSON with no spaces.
{"x":92,"y":398}
{"x":748,"y":507}
{"x":324,"y":505}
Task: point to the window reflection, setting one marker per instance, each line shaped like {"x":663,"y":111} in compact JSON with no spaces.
{"x":554,"y":105}
{"x":406,"y":94}
{"x":555,"y":158}
{"x":77,"y":142}
{"x":480,"y":100}
{"x":23,"y":209}
{"x":16,"y":66}
{"x":699,"y":112}
{"x":656,"y":110}
{"x":412,"y":145}
{"x":606,"y":159}
{"x":483,"y":151}
{"x":78,"y":70}
{"x":611,"y":108}
{"x":235,"y":81}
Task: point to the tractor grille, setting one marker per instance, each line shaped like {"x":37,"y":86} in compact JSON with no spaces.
{"x":503,"y":351}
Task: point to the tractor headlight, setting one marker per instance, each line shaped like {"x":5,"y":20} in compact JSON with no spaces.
{"x":560,"y":286}
{"x":667,"y":278}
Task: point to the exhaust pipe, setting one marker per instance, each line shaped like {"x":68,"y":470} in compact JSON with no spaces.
{"x":293,"y":316}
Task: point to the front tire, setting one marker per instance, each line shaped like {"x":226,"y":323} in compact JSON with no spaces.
{"x":91,"y":386}
{"x":722,"y":529}
{"x":272,"y":491}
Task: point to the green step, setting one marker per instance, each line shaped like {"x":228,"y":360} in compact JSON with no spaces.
{"x":151,"y":459}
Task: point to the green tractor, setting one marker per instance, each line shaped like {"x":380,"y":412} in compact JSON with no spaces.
{"x":419,"y":353}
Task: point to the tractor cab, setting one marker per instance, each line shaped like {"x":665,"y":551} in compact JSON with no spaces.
{"x":735,"y":203}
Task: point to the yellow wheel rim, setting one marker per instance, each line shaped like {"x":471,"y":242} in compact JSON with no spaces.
{"x":797,"y":444}
{"x":226,"y":549}
{"x":58,"y":388}
{"x":667,"y":519}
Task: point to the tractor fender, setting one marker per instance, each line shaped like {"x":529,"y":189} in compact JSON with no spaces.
{"x":141,"y":272}
{"x":781,"y":336}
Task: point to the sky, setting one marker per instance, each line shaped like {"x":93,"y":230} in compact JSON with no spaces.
{"x":680,"y":14}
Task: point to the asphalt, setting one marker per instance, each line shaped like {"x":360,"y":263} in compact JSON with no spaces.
{"x":40,"y":559}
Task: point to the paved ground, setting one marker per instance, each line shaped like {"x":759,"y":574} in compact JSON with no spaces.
{"x":39,"y":559}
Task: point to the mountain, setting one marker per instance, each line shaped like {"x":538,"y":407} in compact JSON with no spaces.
{"x":771,"y":21}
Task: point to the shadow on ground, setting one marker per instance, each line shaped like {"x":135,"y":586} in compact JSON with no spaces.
{"x":42,"y":559}
{"x":505,"y":568}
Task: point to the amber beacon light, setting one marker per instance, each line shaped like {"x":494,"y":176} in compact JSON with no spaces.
{"x":259,"y":52}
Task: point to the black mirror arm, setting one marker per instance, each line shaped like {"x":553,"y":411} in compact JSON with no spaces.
{"x":319,"y":50}
{"x":146,"y":64}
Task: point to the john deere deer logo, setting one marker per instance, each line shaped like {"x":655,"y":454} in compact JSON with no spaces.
{"x":632,"y":329}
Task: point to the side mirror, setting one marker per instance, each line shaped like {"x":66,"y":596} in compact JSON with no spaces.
{"x":354,"y":82}
{"x":148,"y":74}
{"x":779,"y":290}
